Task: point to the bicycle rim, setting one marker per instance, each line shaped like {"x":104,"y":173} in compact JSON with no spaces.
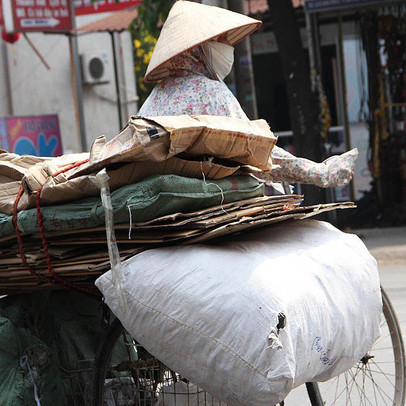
{"x":378,"y":379}
{"x":135,"y":378}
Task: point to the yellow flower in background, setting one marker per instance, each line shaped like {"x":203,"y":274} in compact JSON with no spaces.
{"x":144,"y":45}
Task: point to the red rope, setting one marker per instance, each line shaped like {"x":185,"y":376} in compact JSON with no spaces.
{"x":74,"y":165}
{"x":19,"y":237}
{"x":61,"y":281}
{"x":55,"y":278}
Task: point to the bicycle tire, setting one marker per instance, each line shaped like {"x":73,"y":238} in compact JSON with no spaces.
{"x":101,"y":361}
{"x":102,"y":366}
{"x":369,"y":392}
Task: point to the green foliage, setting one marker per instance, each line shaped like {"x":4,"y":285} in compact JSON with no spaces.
{"x":151,"y":14}
{"x":144,"y":45}
{"x":145,"y":31}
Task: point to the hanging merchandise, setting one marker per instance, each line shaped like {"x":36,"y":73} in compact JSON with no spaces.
{"x":383,"y":35}
{"x":392,"y":33}
{"x":391,"y":114}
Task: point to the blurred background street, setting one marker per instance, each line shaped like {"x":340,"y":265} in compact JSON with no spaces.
{"x":388,"y":246}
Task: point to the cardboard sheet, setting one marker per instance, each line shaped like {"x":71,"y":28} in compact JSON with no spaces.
{"x":82,"y":255}
{"x":145,"y":147}
{"x":157,"y":139}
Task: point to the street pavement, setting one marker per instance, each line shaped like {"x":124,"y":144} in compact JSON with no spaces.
{"x":388,"y":246}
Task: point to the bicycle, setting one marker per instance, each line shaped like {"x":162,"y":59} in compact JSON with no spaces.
{"x":125,"y":374}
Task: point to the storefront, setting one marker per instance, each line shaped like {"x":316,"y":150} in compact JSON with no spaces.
{"x":366,"y":101}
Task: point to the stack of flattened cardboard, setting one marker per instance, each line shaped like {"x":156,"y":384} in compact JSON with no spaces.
{"x":143,"y":148}
{"x":80,"y":256}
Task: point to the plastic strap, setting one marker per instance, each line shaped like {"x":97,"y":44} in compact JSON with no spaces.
{"x":102,"y":180}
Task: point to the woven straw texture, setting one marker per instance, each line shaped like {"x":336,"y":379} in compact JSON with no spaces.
{"x":190,"y":24}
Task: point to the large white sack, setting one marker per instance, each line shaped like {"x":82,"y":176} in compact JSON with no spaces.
{"x":209,"y":311}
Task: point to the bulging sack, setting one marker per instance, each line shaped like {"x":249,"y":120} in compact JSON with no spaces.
{"x":257,"y":315}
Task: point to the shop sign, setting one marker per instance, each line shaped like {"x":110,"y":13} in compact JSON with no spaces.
{"x":312,"y":6}
{"x":31,"y":135}
{"x":37,"y":15}
{"x":83,"y":7}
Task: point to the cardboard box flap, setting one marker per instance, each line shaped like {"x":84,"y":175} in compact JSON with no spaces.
{"x":247,"y":142}
{"x":157,"y":139}
{"x":139,"y":140}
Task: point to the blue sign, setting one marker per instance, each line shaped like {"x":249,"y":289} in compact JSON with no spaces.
{"x":31,"y":135}
{"x":3,"y":134}
{"x":313,"y":6}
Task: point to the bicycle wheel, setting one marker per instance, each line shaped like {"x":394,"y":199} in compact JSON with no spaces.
{"x":126,"y":374}
{"x":378,"y":378}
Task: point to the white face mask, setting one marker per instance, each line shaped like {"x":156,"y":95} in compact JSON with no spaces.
{"x":220,"y":56}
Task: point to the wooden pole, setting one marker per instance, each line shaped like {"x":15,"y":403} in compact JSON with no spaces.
{"x":117,"y":79}
{"x":35,"y":49}
{"x":77,"y":92}
{"x":77,"y":83}
{"x":244,"y":73}
{"x":344,"y":93}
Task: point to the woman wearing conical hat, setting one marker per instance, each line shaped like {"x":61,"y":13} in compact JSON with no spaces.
{"x":192,"y":56}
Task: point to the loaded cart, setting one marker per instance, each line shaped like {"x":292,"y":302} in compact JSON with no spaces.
{"x":227,"y":295}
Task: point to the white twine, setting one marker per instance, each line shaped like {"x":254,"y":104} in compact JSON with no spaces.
{"x":206,"y":183}
{"x":131,"y":219}
{"x":214,"y":184}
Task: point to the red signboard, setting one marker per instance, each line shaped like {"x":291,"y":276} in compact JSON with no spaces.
{"x":41,"y":15}
{"x":83,"y":7}
{"x":1,"y":15}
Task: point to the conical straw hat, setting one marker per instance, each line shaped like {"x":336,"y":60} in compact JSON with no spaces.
{"x":190,"y":24}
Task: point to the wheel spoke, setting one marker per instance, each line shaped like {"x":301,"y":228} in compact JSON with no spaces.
{"x":373,"y":387}
{"x":345,"y":389}
{"x":376,"y":386}
{"x":371,"y":381}
{"x":360,"y":389}
{"x":383,"y":373}
{"x":383,"y":348}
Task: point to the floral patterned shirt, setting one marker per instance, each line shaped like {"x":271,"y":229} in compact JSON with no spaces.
{"x":192,"y":90}
{"x":191,"y":94}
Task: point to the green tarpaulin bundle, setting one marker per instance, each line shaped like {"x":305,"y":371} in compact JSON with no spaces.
{"x":151,"y":198}
{"x":48,"y":342}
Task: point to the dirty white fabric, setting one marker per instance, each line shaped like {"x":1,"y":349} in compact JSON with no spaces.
{"x":210,"y":312}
